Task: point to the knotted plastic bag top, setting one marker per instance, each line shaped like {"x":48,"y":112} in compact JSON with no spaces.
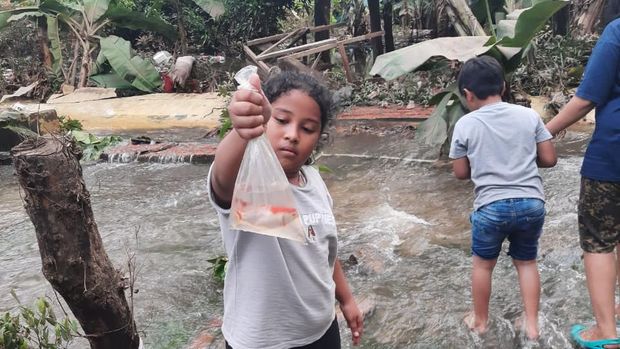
{"x":262,"y":200}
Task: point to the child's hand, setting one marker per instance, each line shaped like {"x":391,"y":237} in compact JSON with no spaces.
{"x":355,"y":320}
{"x":249,"y":110}
{"x":560,"y":135}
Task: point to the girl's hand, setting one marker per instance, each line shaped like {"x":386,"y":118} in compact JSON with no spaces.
{"x":249,"y":110}
{"x":355,"y":319}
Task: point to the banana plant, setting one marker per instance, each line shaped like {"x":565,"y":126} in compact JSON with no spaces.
{"x":118,"y":66}
{"x":85,"y":19}
{"x":509,"y":43}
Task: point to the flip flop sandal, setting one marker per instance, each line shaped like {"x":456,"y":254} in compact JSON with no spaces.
{"x":575,"y":334}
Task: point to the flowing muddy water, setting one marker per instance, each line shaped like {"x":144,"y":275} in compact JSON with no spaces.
{"x":406,"y":222}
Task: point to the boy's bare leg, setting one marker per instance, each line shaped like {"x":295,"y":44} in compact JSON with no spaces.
{"x":601,"y":279}
{"x":529,"y":282}
{"x":481,"y":292}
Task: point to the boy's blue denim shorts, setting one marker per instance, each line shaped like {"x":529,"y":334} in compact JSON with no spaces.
{"x":520,"y":220}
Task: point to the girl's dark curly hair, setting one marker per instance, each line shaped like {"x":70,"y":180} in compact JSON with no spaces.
{"x":287,"y":81}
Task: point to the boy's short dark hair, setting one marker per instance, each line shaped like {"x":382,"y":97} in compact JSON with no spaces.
{"x":287,"y":81}
{"x":483,"y":76}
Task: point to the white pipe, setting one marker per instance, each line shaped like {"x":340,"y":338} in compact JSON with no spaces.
{"x":378,"y":157}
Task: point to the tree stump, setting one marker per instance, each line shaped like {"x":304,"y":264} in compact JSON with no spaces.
{"x":74,"y":260}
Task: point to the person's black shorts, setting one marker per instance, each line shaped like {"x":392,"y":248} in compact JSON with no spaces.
{"x":330,"y":340}
{"x":599,"y":215}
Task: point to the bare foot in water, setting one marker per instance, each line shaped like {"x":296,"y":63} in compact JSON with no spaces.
{"x":477,"y":326}
{"x":530,"y":329}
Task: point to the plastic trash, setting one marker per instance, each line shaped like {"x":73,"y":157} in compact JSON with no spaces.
{"x":162,"y":58}
{"x":18,"y":107}
{"x":8,"y":75}
{"x":216,"y":59}
{"x":182,"y":69}
{"x":262,"y":201}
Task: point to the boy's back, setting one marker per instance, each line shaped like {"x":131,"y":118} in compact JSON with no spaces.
{"x":500,"y":142}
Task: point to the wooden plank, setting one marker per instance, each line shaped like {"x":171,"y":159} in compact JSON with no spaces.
{"x":331,"y":45}
{"x":295,"y":49}
{"x":361,"y":38}
{"x":302,"y":36}
{"x":326,"y":27}
{"x":316,"y":61}
{"x":280,"y":36}
{"x":345,"y":63}
{"x":272,"y":47}
{"x":261,"y":65}
{"x":266,"y":39}
{"x":312,"y":50}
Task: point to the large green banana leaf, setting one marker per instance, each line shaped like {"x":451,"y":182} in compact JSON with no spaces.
{"x":214,"y":8}
{"x":530,"y":22}
{"x":139,"y":72}
{"x":125,"y":18}
{"x":55,"y":46}
{"x":94,"y":9}
{"x":55,"y":7}
{"x":23,"y":15}
{"x":111,"y":81}
{"x":402,"y":61}
{"x":6,"y":15}
{"x":102,"y":75}
{"x":434,"y":130}
{"x":479,"y":8}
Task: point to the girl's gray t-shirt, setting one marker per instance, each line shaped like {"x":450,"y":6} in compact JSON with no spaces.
{"x":280,"y":293}
{"x":500,"y":140}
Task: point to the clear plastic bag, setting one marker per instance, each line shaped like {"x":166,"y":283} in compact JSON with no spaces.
{"x":262,"y":200}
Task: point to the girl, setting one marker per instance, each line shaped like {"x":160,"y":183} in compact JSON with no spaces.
{"x":280,"y":293}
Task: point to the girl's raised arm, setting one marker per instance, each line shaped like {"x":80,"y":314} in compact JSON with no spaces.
{"x":249,"y":110}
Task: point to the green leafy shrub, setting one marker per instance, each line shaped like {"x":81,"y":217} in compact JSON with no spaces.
{"x":218,"y":266}
{"x":67,"y":124}
{"x":36,"y":327}
{"x":92,"y":146}
{"x":556,"y":64}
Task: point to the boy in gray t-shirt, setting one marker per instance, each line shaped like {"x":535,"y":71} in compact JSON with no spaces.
{"x":499,"y":146}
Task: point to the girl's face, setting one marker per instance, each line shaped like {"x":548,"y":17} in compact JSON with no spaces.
{"x":294,"y":129}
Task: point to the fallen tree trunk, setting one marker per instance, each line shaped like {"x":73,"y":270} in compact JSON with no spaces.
{"x":463,"y":18}
{"x":586,"y":16}
{"x":72,"y":254}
